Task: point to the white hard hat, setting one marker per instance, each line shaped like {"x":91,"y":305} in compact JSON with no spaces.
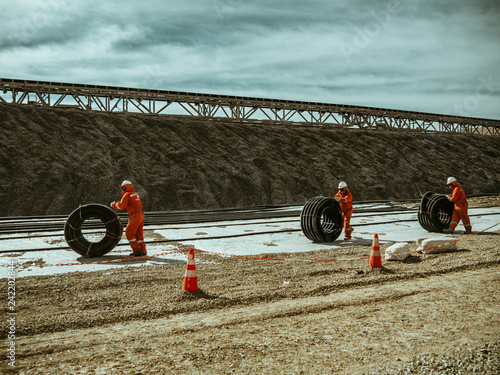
{"x":342,"y":185}
{"x":451,"y":179}
{"x":126,"y":182}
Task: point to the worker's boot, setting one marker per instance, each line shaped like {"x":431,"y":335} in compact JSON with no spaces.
{"x":136,"y":254}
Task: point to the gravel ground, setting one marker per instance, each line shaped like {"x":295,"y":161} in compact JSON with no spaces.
{"x":431,"y":314}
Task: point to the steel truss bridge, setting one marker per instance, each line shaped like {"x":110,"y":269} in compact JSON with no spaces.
{"x":235,"y":108}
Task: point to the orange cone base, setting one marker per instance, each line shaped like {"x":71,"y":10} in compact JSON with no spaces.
{"x":190,"y":284}
{"x":375,"y":262}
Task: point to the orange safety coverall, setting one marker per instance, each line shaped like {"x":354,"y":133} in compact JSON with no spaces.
{"x":461,"y":208}
{"x":134,"y":230}
{"x":346,"y":207}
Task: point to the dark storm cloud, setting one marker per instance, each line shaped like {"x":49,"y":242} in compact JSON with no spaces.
{"x":220,"y":23}
{"x":427,"y":55}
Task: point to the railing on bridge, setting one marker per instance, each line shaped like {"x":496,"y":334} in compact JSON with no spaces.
{"x":237,"y":108}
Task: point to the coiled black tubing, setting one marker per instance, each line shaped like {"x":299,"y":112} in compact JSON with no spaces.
{"x":321,"y":219}
{"x":435,"y":212}
{"x":92,"y":212}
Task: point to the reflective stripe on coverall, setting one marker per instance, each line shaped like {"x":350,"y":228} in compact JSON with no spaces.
{"x":461,"y":208}
{"x":134,"y":231}
{"x":346,"y":207}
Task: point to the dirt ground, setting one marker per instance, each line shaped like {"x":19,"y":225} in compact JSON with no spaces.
{"x":430,"y":314}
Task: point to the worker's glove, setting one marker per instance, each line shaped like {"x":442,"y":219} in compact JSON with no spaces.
{"x":337,"y":199}
{"x":112,"y":204}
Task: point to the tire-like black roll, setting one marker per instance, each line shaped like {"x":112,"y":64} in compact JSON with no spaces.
{"x":321,"y":219}
{"x":443,"y":211}
{"x":431,"y":209}
{"x":76,"y":240}
{"x":435,"y":212}
{"x":422,"y":209}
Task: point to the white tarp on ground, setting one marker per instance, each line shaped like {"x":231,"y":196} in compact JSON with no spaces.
{"x":284,"y":242}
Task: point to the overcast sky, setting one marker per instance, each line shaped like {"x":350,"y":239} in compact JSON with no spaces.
{"x":440,"y":56}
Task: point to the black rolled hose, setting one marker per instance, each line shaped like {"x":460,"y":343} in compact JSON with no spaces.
{"x":321,"y":219}
{"x":76,"y":240}
{"x":435,"y":212}
{"x":422,"y":219}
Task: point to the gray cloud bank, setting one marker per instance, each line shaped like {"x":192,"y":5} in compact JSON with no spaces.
{"x":433,"y":56}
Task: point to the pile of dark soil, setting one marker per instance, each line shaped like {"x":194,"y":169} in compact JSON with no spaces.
{"x":52,"y":160}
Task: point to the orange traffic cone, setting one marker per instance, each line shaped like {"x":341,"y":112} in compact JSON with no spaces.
{"x":375,"y":259}
{"x":190,"y":281}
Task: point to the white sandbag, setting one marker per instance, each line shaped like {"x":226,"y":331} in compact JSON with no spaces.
{"x":437,"y":245}
{"x":398,"y":251}
{"x":420,"y":240}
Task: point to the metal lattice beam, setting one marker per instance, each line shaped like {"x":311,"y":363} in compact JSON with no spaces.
{"x":120,"y":99}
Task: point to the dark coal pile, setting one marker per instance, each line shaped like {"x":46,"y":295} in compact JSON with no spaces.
{"x":53,"y":160}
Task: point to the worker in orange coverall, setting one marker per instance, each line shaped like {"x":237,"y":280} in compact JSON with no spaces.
{"x":461,"y":207}
{"x":134,"y":231}
{"x":344,"y":197}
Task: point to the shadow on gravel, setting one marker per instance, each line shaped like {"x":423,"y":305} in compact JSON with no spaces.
{"x":380,"y":270}
{"x":200,"y":294}
{"x":140,"y":260}
{"x":387,"y":271}
{"x":105,"y":259}
{"x":487,"y":234}
{"x":412,"y":259}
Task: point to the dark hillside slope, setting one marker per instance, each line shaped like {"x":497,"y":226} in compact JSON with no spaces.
{"x":52,"y":160}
